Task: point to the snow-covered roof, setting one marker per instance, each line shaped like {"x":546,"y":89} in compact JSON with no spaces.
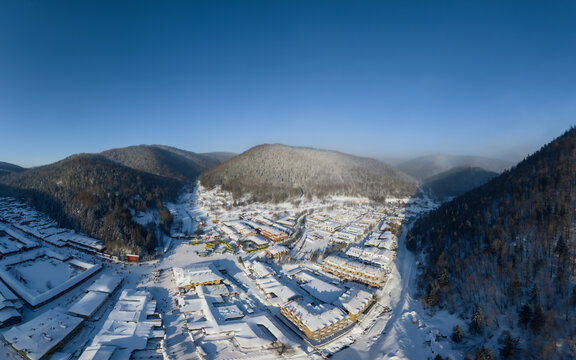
{"x":354,"y":251}
{"x":270,"y":285}
{"x":230,"y":312}
{"x":126,"y":327}
{"x":39,"y":336}
{"x":12,"y":241}
{"x":316,"y":317}
{"x":318,"y":288}
{"x":98,"y":352}
{"x":195,"y":274}
{"x":277,"y":249}
{"x":106,"y":283}
{"x":260,"y":269}
{"x":27,"y":291}
{"x":257,"y":239}
{"x":189,"y":303}
{"x":214,"y":290}
{"x":83,"y":241}
{"x":271,"y":229}
{"x":88,"y":304}
{"x":354,"y":300}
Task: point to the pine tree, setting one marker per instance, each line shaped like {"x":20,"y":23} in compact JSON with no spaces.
{"x":457,"y":334}
{"x":484,"y":353}
{"x":510,"y":345}
{"x":477,"y":324}
{"x":524,"y":316}
{"x":538,"y":319}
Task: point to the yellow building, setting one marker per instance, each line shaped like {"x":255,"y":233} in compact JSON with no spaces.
{"x":316,"y":321}
{"x":354,"y":270}
{"x":192,"y":276}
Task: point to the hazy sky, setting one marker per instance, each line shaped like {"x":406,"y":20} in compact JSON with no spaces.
{"x":396,"y":78}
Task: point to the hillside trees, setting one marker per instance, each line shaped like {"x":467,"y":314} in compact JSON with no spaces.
{"x":515,"y":236}
{"x":94,"y":195}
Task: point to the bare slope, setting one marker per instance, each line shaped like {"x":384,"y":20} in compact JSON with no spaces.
{"x":508,"y":248}
{"x":427,"y":166}
{"x":279,"y":173}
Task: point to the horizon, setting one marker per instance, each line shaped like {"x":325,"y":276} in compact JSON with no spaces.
{"x":379,"y":80}
{"x":390,"y":160}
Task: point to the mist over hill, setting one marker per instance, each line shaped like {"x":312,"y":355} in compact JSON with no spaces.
{"x":273,"y":173}
{"x":456,"y":182}
{"x":504,"y":255}
{"x":427,"y":166}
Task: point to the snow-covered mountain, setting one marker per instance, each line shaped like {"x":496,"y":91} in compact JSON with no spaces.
{"x":280,"y":172}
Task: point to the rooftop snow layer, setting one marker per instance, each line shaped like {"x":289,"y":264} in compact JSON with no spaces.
{"x":39,"y":336}
{"x":89,"y":304}
{"x":106,"y":283}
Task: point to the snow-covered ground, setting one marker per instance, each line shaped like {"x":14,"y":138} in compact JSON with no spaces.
{"x":408,"y":331}
{"x":394,"y":327}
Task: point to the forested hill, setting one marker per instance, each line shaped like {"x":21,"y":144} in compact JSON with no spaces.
{"x":6,"y":168}
{"x":164,"y":160}
{"x":279,"y":173}
{"x":506,"y":252}
{"x":94,"y":194}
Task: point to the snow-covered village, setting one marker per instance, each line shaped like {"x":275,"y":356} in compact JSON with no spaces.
{"x":315,"y":279}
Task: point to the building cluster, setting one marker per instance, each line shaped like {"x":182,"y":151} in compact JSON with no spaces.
{"x":95,"y":296}
{"x":133,"y":326}
{"x":222,"y":310}
{"x":40,"y":227}
{"x":10,"y":307}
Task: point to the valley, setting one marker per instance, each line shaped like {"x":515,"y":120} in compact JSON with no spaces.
{"x":248,"y":281}
{"x":331,"y":273}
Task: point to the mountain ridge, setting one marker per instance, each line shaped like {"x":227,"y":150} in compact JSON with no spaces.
{"x":6,"y":168}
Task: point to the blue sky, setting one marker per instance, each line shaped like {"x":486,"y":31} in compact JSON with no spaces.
{"x":375,"y":78}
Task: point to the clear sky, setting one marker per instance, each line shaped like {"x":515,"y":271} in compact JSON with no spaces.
{"x":376,"y":78}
